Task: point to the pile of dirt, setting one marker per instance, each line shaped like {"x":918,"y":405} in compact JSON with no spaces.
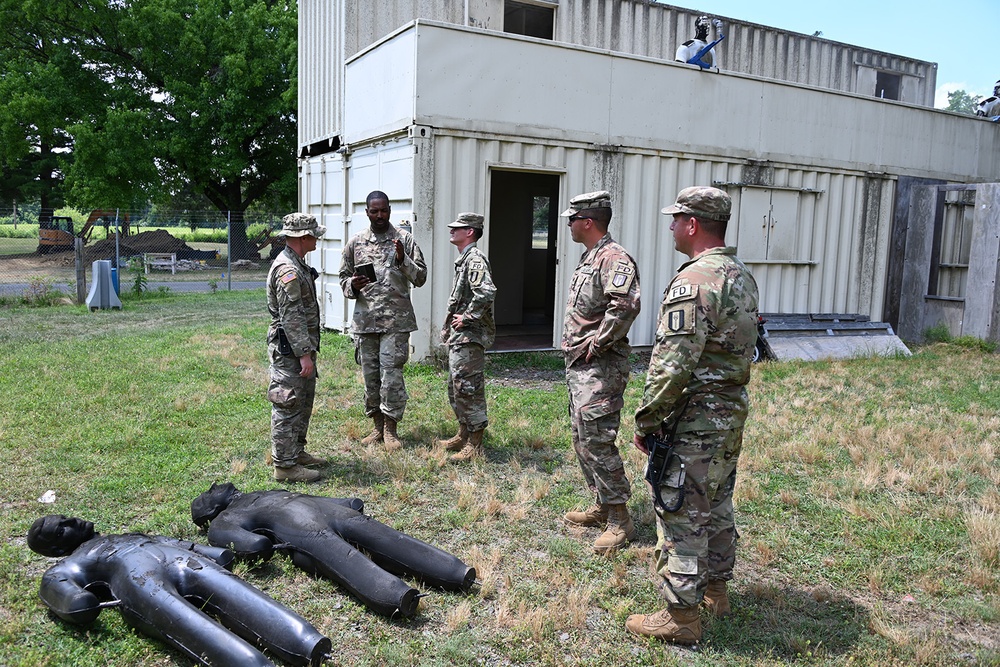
{"x":156,"y":240}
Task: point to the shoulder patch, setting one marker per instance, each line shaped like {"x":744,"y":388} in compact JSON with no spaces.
{"x":287,"y":277}
{"x":621,"y":278}
{"x":678,"y":319}
{"x":680,"y":292}
{"x":477,"y":271}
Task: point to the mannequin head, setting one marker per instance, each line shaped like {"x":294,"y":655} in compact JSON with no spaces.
{"x":58,"y":535}
{"x":210,"y":504}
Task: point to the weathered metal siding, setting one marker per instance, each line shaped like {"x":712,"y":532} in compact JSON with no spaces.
{"x":830,"y":229}
{"x":656,"y":30}
{"x":833,"y":242}
{"x":955,"y":243}
{"x":320,"y":70}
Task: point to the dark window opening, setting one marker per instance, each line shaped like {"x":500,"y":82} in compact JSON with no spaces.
{"x":887,"y":86}
{"x":320,"y":147}
{"x":531,"y":20}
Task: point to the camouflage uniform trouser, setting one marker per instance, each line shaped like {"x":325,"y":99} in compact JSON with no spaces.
{"x":382,"y":358}
{"x":291,"y":400}
{"x":595,"y":405}
{"x":697,"y":543}
{"x":467,"y":384}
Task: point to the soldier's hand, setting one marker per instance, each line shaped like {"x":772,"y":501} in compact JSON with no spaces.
{"x":640,"y":443}
{"x":358,"y":282}
{"x":457,"y":321}
{"x":399,"y":250}
{"x":308,"y":366}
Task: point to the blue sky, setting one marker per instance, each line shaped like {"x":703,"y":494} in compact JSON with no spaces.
{"x":960,"y":35}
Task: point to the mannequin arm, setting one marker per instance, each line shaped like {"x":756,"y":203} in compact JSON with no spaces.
{"x":63,"y":593}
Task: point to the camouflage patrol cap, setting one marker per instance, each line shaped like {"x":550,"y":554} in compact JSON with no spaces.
{"x":473,"y":220}
{"x":301,"y":224}
{"x":702,"y":202}
{"x":599,"y":199}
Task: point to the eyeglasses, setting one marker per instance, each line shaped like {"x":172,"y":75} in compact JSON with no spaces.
{"x":574,"y":218}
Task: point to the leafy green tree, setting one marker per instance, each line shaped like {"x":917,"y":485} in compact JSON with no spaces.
{"x":962,"y":102}
{"x":39,"y":82}
{"x":191,"y":96}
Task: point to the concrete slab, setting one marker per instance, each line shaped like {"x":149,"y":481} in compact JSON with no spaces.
{"x":817,"y":348}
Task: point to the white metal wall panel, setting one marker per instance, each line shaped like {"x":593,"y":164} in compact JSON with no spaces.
{"x":335,"y":190}
{"x":504,"y":91}
{"x":320,"y":69}
{"x":379,"y":89}
{"x":753,"y":215}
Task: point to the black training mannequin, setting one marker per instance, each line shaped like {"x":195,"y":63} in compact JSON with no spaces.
{"x":162,"y":586}
{"x":323,"y":536}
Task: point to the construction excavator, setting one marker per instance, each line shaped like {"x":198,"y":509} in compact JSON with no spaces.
{"x":56,"y":234}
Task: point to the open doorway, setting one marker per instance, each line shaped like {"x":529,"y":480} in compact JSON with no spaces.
{"x":524,"y":218}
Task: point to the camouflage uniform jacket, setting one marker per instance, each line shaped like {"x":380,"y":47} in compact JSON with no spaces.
{"x":705,"y":338}
{"x":291,"y":298}
{"x":471,"y":297}
{"x":603,"y":302}
{"x":383,"y":306}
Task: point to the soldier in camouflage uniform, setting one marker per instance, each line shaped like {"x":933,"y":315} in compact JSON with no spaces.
{"x":468,"y":330}
{"x":695,"y":395}
{"x":603,"y":302}
{"x":292,"y":344}
{"x":383,"y":313}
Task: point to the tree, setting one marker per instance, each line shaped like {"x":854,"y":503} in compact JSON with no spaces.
{"x":962,"y":102}
{"x":192,"y":95}
{"x":38,"y":102}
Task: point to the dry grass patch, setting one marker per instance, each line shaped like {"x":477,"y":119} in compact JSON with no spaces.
{"x":983,"y":528}
{"x":458,"y":617}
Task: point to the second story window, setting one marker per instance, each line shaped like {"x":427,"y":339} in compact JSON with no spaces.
{"x":522,"y":18}
{"x":887,"y":86}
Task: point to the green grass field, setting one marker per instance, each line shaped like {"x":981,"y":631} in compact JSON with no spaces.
{"x":867,"y":501}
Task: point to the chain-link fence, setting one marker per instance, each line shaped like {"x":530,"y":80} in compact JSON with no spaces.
{"x":148,"y":250}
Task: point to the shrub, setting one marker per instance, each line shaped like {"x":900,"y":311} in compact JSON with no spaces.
{"x":938,"y":333}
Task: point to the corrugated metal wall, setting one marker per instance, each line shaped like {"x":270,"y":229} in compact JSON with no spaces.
{"x":830,"y":229}
{"x":825,"y":244}
{"x":656,"y":30}
{"x":320,"y":70}
{"x":955,"y":243}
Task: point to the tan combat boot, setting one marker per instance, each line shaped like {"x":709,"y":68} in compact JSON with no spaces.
{"x":306,"y":459}
{"x":619,"y":531}
{"x":295,"y":474}
{"x":678,"y":625}
{"x":473,"y":448}
{"x":595,"y":516}
{"x":376,"y":435}
{"x":390,"y":436}
{"x":717,"y":599}
{"x":456,"y":442}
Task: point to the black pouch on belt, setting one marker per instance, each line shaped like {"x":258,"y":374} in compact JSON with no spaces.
{"x":284,"y":347}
